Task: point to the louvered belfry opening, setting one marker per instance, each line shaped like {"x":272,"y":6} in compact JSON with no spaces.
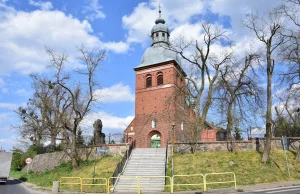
{"x":160,"y":79}
{"x":149,"y":81}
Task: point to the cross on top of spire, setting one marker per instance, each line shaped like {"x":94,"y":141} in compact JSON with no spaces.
{"x":159,"y":11}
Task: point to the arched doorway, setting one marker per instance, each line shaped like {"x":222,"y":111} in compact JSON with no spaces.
{"x":155,"y":139}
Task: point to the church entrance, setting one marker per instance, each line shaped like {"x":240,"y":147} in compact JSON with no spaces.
{"x":155,"y":141}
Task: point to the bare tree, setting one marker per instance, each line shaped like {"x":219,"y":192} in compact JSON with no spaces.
{"x":32,"y":123}
{"x":52,"y":102}
{"x":288,"y":115}
{"x":291,"y":9}
{"x":267,"y":29}
{"x":290,"y":53}
{"x":236,"y":86}
{"x":204,"y":68}
{"x":81,"y":95}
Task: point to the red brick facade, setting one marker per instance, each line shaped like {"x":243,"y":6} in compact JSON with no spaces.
{"x":164,"y":104}
{"x":155,"y":103}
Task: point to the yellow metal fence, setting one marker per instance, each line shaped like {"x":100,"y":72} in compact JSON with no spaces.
{"x":172,"y":181}
{"x":219,"y":182}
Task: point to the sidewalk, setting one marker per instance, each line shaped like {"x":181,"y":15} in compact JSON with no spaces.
{"x":269,"y":185}
{"x":242,"y":189}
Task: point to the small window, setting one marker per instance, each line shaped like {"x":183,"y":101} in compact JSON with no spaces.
{"x":157,"y":34}
{"x":182,"y":125}
{"x":163,"y":34}
{"x":160,"y":79}
{"x":131,"y":128}
{"x":154,"y":123}
{"x":148,"y":81}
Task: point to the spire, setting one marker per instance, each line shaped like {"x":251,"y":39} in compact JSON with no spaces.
{"x":160,"y":32}
{"x":159,"y":19}
{"x":159,"y":11}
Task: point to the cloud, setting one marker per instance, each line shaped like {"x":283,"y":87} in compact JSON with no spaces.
{"x":10,"y":106}
{"x":93,"y":10}
{"x":42,"y":5}
{"x":182,"y":20}
{"x":117,"y":47}
{"x":22,"y":50}
{"x":258,"y":132}
{"x":109,"y":121}
{"x":8,"y":143}
{"x":139,"y":23}
{"x":1,"y":82}
{"x":22,"y":92}
{"x":141,"y":20}
{"x":115,"y":93}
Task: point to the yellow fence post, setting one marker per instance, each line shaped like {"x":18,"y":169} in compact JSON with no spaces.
{"x":204,"y":184}
{"x":234,"y":181}
{"x":107,"y":186}
{"x":108,"y":189}
{"x":138,"y":185}
{"x":80,"y":185}
{"x":172,"y":184}
{"x":59,"y":184}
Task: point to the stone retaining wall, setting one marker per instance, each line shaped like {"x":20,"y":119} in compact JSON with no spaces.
{"x":49,"y":161}
{"x":253,"y":144}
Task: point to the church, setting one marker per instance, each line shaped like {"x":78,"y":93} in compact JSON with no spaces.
{"x":160,"y":107}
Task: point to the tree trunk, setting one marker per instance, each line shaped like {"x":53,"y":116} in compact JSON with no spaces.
{"x":53,"y":140}
{"x":230,"y":146}
{"x":270,"y":67}
{"x":74,"y":151}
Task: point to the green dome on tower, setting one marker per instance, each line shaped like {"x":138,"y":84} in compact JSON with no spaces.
{"x":158,"y":52}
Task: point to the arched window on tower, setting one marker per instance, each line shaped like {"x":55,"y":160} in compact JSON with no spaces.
{"x":160,"y":78}
{"x":148,"y":81}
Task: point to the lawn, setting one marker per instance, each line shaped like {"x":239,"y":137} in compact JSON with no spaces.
{"x":246,"y":165}
{"x":104,"y":168}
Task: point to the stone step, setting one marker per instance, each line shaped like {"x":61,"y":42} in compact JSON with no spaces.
{"x":142,"y":182}
{"x":134,"y":191}
{"x":144,"y":162}
{"x":133,"y":166}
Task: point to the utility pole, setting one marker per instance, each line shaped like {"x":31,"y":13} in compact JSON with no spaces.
{"x":173,"y":141}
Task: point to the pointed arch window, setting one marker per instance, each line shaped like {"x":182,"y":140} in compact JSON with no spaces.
{"x":160,"y":78}
{"x":148,"y":81}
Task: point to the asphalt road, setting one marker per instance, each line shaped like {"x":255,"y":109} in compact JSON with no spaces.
{"x":285,"y":190}
{"x":15,"y":187}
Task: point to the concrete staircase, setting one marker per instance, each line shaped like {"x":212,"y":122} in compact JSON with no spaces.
{"x":144,"y":162}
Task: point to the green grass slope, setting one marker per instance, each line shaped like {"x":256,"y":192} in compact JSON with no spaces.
{"x":104,"y":168}
{"x":246,"y":165}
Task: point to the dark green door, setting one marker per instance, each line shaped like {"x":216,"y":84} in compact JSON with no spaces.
{"x":155,"y":141}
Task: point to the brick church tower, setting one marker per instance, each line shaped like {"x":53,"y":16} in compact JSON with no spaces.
{"x":158,"y":96}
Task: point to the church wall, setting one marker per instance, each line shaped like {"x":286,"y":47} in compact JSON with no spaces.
{"x":154,"y":103}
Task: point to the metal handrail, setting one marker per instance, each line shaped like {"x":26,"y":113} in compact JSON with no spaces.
{"x":234,"y":179}
{"x":93,"y":184}
{"x":80,"y":182}
{"x":192,"y":184}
